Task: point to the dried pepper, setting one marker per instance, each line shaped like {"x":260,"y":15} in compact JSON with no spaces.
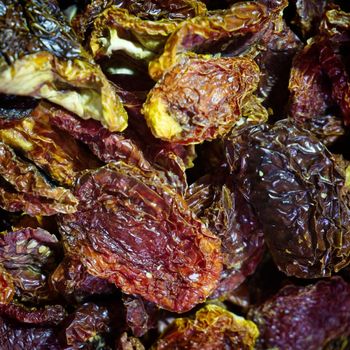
{"x":74,"y":283}
{"x":126,"y":30}
{"x":297,"y":189}
{"x":212,"y":328}
{"x":42,"y":58}
{"x":156,"y":155}
{"x":23,"y":188}
{"x":6,"y":287}
{"x":200,"y":99}
{"x":216,"y":199}
{"x":284,"y":319}
{"x":56,"y":153}
{"x":203,"y":32}
{"x":151,"y":244}
{"x":29,"y":256}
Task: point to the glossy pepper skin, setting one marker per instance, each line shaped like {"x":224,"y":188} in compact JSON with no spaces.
{"x":41,"y":57}
{"x":29,"y":257}
{"x":199,"y":34}
{"x":200,"y":99}
{"x":284,"y":319}
{"x":217,"y":200}
{"x":24,"y":188}
{"x":212,"y":328}
{"x":138,"y":233}
{"x":322,"y":105}
{"x":297,"y":190}
{"x":53,"y":151}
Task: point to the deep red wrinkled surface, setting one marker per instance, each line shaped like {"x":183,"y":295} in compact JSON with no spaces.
{"x":86,"y":325}
{"x":216,"y":199}
{"x":29,"y":256}
{"x":50,"y":315}
{"x":74,"y":283}
{"x":204,"y":96}
{"x":138,"y":233}
{"x":297,"y":189}
{"x":299,"y":318}
{"x":141,"y":315}
{"x":135,"y":146}
{"x":14,"y":336}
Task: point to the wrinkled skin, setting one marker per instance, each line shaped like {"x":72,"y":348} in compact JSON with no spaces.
{"x":123,"y":30}
{"x":56,"y":153}
{"x":47,"y":316}
{"x":128,"y":343}
{"x":29,"y":256}
{"x":297,"y":190}
{"x":273,"y":53}
{"x":41,"y":57}
{"x":200,"y":99}
{"x":273,"y":48}
{"x":74,"y":283}
{"x":141,"y":14}
{"x":82,"y":22}
{"x":242,"y":19}
{"x":151,"y":244}
{"x":315,"y":97}
{"x":335,"y":28}
{"x":7,"y":289}
{"x":212,"y":328}
{"x":156,"y":10}
{"x":20,"y":337}
{"x":141,"y":315}
{"x":216,"y":199}
{"x":105,"y":145}
{"x":293,"y":312}
{"x":23,"y":188}
{"x":335,"y":69}
{"x":308,"y":16}
{"x":136,"y":146}
{"x":329,"y":128}
{"x":87,"y":326}
{"x":320,"y":68}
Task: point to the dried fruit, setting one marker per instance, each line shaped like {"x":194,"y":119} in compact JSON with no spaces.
{"x":87,"y":327}
{"x":24,"y":337}
{"x":150,"y":245}
{"x":135,"y":146}
{"x":126,"y":30}
{"x":42,"y":58}
{"x":319,"y":310}
{"x":7,"y":289}
{"x":212,"y":328}
{"x":29,"y":256}
{"x":297,"y":190}
{"x":50,"y":315}
{"x":23,"y":188}
{"x":308,"y":16}
{"x":219,"y":203}
{"x":200,"y":99}
{"x":55,"y":152}
{"x":74,"y":283}
{"x":203,"y":33}
{"x":129,"y":343}
{"x":141,"y":315}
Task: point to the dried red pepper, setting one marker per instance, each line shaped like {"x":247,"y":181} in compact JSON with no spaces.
{"x":151,"y":244}
{"x":200,"y":99}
